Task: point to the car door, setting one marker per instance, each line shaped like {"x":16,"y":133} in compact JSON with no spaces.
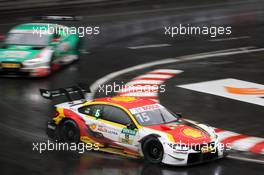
{"x":109,"y":124}
{"x":91,"y":114}
{"x":116,"y":121}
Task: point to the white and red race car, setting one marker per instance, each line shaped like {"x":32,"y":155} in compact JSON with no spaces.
{"x":134,"y":127}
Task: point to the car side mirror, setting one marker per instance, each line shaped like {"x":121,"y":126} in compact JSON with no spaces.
{"x":179,"y":114}
{"x":131,"y":126}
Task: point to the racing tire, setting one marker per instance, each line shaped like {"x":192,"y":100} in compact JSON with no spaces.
{"x":69,"y":132}
{"x":152,"y":150}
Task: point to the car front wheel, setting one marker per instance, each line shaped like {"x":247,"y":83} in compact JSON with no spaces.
{"x":153,"y":150}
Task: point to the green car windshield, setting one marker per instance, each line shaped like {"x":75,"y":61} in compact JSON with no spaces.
{"x":30,"y":39}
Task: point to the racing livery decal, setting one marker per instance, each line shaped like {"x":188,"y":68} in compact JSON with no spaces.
{"x":192,"y":133}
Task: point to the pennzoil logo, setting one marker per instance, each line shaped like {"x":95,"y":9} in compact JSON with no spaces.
{"x":192,"y":133}
{"x":123,"y":99}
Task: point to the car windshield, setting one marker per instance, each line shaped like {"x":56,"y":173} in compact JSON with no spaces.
{"x":153,"y":115}
{"x":30,"y":39}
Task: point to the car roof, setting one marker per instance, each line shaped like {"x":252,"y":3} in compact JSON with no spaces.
{"x":32,"y":26}
{"x":126,"y":102}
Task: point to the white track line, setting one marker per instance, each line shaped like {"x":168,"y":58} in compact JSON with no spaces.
{"x":230,"y":38}
{"x":145,"y":82}
{"x":171,"y":71}
{"x":159,"y":76}
{"x":149,"y":46}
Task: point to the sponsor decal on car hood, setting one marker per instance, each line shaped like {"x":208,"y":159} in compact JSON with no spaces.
{"x":184,"y":133}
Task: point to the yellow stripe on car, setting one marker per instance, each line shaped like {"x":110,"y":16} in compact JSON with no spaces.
{"x":60,"y":116}
{"x":170,"y":137}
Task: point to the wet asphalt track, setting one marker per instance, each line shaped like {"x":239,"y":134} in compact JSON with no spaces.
{"x":24,"y":113}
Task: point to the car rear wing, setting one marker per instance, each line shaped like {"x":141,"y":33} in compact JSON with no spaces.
{"x":80,"y":90}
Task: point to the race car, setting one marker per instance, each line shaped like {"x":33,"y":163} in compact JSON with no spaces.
{"x":133,"y":127}
{"x":37,"y":49}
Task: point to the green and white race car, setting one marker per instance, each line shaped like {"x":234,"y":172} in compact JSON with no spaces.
{"x":37,"y":49}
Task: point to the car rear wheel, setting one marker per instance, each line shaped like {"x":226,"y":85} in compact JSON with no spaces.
{"x":153,"y":150}
{"x":69,"y":132}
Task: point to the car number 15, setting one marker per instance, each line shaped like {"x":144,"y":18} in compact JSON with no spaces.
{"x":143,"y":117}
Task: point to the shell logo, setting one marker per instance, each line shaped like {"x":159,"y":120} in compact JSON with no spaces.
{"x":192,"y":133}
{"x":93,"y":126}
{"x":123,"y":99}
